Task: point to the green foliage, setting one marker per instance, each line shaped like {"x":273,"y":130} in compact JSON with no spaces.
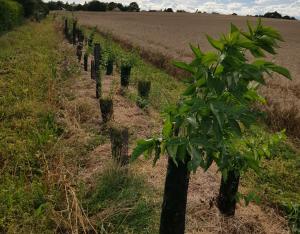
{"x":144,"y":87}
{"x":108,"y":53}
{"x":28,"y":68}
{"x":278,"y":183}
{"x":127,"y":59}
{"x":91,"y":40}
{"x":11,"y":14}
{"x":35,"y":8}
{"x":120,"y":196}
{"x":214,"y":115}
{"x":293,"y":211}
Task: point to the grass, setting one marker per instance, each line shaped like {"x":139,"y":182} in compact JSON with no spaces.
{"x":122,"y":202}
{"x":28,"y":63}
{"x":278,"y":184}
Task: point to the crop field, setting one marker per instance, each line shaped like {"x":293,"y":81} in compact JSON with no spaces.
{"x":162,"y":37}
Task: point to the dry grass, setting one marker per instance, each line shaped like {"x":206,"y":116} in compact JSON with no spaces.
{"x":161,"y":37}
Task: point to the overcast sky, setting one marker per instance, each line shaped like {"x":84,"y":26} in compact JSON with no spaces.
{"x":242,"y":7}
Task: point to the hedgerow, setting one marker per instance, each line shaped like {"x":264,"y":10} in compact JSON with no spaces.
{"x":11,"y":14}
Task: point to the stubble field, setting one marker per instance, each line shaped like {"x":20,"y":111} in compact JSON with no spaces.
{"x":162,"y":37}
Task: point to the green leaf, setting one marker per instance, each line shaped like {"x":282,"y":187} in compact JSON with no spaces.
{"x":184,"y":66}
{"x":190,"y":90}
{"x":181,"y":153}
{"x":216,"y":44}
{"x":200,"y":82}
{"x":251,"y":197}
{"x":271,"y":32}
{"x":157,"y":154}
{"x":216,"y":114}
{"x":208,"y":163}
{"x":142,"y":147}
{"x":167,"y":128}
{"x":245,"y":43}
{"x":233,"y":28}
{"x":192,"y":121}
{"x":197,"y":52}
{"x":236,"y":127}
{"x":250,"y":28}
{"x":282,"y":71}
{"x":210,"y":58}
{"x":172,"y":151}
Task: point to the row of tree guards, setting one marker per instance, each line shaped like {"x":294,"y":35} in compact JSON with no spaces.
{"x":211,"y":122}
{"x":118,"y":133}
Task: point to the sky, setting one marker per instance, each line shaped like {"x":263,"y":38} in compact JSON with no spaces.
{"x":241,"y":7}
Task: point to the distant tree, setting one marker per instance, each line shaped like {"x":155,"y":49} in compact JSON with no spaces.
{"x":96,"y":6}
{"x":274,"y":14}
{"x":54,"y":6}
{"x":133,"y":7}
{"x":29,"y":6}
{"x":180,"y":11}
{"x":234,"y":13}
{"x":80,"y":7}
{"x":168,"y":10}
{"x":121,"y":7}
{"x":111,"y":6}
{"x":34,"y":8}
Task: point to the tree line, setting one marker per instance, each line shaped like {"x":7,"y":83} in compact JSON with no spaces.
{"x":12,"y":12}
{"x":276,"y":15}
{"x":93,"y":6}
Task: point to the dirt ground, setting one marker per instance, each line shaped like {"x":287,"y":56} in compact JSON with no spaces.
{"x":201,"y":216}
{"x":162,"y":37}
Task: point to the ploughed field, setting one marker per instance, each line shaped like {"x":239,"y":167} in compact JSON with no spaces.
{"x":166,"y":36}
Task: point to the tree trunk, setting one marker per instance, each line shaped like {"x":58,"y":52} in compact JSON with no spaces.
{"x":172,"y":220}
{"x":226,"y":200}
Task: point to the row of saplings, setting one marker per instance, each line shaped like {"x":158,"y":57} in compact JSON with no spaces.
{"x":118,"y":134}
{"x":213,"y":122}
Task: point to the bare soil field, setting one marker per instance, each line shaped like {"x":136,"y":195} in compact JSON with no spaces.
{"x":162,"y":37}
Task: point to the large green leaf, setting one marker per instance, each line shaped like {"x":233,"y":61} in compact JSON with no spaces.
{"x":215,"y":43}
{"x":197,"y":52}
{"x":281,"y":70}
{"x":210,"y":58}
{"x":142,"y":147}
{"x":167,"y":128}
{"x":184,"y":66}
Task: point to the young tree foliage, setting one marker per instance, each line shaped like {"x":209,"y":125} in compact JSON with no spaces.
{"x":215,"y":112}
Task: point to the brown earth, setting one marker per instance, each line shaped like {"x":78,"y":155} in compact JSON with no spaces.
{"x":162,"y":37}
{"x":83,"y":108}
